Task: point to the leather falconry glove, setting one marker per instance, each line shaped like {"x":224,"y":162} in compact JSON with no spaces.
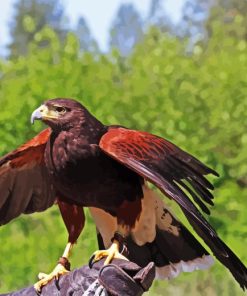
{"x":121,"y":277}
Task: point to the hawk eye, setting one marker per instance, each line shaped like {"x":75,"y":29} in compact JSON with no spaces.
{"x":60,"y":109}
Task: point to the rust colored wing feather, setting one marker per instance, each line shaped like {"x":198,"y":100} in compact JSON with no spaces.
{"x":24,"y":183}
{"x":140,"y":150}
{"x":168,"y":167}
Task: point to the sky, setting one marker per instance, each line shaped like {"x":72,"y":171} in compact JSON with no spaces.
{"x":98,"y":14}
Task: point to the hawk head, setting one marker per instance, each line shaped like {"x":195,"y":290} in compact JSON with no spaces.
{"x":62,"y":114}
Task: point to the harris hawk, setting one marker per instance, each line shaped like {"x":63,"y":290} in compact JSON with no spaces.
{"x":79,"y":162}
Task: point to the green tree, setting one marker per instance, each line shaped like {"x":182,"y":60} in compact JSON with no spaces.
{"x":200,"y":18}
{"x":87,"y":42}
{"x":30,"y":16}
{"x":194,"y":16}
{"x":126,"y":29}
{"x":158,"y":17}
{"x":231,"y":13}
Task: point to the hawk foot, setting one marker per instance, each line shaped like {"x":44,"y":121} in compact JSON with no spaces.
{"x":110,"y":254}
{"x":44,"y":278}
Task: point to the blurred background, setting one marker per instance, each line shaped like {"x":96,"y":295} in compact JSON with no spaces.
{"x":174,"y":68}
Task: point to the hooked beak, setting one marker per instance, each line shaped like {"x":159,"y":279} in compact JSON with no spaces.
{"x":39,"y":113}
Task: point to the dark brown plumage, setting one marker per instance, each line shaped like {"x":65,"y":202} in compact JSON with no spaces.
{"x":80,"y":162}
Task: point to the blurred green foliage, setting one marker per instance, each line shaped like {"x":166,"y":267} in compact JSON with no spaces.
{"x":31,"y":16}
{"x":196,"y":100}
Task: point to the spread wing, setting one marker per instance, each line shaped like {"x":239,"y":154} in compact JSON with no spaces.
{"x":24,"y":182}
{"x":178,"y":175}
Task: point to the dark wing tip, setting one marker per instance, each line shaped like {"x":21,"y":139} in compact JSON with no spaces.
{"x":216,"y":174}
{"x":213,"y":172}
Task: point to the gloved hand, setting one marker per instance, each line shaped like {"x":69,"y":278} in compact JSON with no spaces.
{"x":118,"y":278}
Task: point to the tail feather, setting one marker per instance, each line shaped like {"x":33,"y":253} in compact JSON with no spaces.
{"x":221,"y":251}
{"x":171,"y":255}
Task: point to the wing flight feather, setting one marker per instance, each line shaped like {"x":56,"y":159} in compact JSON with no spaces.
{"x":24,"y":182}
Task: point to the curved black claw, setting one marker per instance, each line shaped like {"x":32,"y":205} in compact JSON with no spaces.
{"x":91,"y":261}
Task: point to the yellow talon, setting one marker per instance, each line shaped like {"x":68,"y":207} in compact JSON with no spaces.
{"x":44,"y":279}
{"x":111,"y":253}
